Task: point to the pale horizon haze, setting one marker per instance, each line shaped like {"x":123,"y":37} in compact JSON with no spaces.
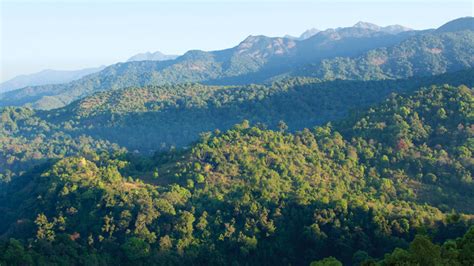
{"x":70,"y":35}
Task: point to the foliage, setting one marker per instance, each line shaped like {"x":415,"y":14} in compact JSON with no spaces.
{"x":254,"y":196}
{"x":424,"y":55}
{"x":161,"y":117}
{"x":347,"y":53}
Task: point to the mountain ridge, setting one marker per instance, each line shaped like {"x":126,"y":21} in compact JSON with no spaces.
{"x":47,"y":76}
{"x":400,"y":167}
{"x":257,"y":59}
{"x":394,"y":29}
{"x":151,"y":56}
{"x":464,"y":23}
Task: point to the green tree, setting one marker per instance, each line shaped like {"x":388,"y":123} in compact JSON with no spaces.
{"x":136,"y":248}
{"x":329,"y":261}
{"x":45,"y":228}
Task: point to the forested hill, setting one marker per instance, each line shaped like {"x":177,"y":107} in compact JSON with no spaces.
{"x":355,"y":147}
{"x":161,"y":117}
{"x":424,"y":55}
{"x":255,"y":59}
{"x":348,"y":53}
{"x":150,"y":118}
{"x":252,"y":196}
{"x":465,"y":23}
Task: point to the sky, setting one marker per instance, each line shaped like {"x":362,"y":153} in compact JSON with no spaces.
{"x":76,"y":34}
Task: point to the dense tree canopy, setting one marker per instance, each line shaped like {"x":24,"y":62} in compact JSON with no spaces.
{"x":354,"y":191}
{"x":351,"y":150}
{"x":161,"y":117}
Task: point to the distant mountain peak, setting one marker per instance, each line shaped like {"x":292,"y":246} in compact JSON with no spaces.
{"x":465,"y":23}
{"x":254,"y":38}
{"x":308,"y":34}
{"x":149,"y":56}
{"x":367,"y":25}
{"x":260,"y":59}
{"x":250,"y":41}
{"x":46,"y":76}
{"x":261,"y":47}
{"x":394,"y":29}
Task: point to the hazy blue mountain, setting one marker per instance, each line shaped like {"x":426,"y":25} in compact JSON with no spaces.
{"x":308,"y":34}
{"x":393,"y":29}
{"x":260,"y":59}
{"x":466,"y":23}
{"x":48,"y":76}
{"x":303,"y":36}
{"x":156,"y":56}
{"x":424,"y":55}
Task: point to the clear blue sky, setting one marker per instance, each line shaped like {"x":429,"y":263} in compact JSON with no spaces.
{"x":53,"y":34}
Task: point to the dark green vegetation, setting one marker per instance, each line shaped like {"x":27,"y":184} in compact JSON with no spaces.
{"x":343,"y":53}
{"x":159,"y":117}
{"x":422,"y":251}
{"x":356,"y":163}
{"x":424,"y":55}
{"x":354,"y":190}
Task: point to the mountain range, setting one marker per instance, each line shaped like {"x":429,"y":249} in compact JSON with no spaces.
{"x":393,"y":29}
{"x":49,"y":76}
{"x":305,"y":35}
{"x":148,"y":56}
{"x":44,"y":77}
{"x":363,"y":51}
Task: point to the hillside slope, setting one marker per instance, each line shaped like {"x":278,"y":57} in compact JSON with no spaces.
{"x":257,"y":196}
{"x":255,"y":59}
{"x":46,"y":77}
{"x":426,"y":55}
{"x":162,"y":117}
